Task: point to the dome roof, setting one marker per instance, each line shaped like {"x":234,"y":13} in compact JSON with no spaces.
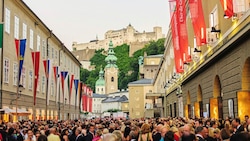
{"x":100,"y":82}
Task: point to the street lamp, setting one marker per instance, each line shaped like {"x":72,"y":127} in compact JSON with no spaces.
{"x":20,"y":89}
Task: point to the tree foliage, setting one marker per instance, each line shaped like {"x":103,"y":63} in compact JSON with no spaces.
{"x":128,"y":66}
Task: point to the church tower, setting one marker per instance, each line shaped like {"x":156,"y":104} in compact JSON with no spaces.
{"x":100,"y":83}
{"x":111,"y":71}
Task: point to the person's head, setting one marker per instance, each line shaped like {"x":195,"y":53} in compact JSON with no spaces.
{"x":98,"y":133}
{"x":205,"y":132}
{"x":110,"y":137}
{"x":213,"y":124}
{"x":53,"y":130}
{"x":164,"y":130}
{"x":158,"y":127}
{"x":225,"y":135}
{"x":186,"y":130}
{"x":78,"y":131}
{"x":236,"y":122}
{"x":105,"y":131}
{"x":118,"y":135}
{"x":217,"y":133}
{"x":92,"y":128}
{"x":65,"y":131}
{"x":30,"y":133}
{"x":37,"y":134}
{"x":42,"y":138}
{"x":145,"y":128}
{"x":199,"y":130}
{"x":242,"y":136}
{"x":169,"y":136}
{"x":246,"y":117}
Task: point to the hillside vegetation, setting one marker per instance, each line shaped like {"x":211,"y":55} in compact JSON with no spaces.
{"x":128,"y":66}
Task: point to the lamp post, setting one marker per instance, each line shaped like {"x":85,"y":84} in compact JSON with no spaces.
{"x":20,"y":89}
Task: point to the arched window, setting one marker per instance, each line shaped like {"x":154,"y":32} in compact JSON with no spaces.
{"x":112,"y":79}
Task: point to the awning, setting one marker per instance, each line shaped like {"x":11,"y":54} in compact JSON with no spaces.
{"x":19,"y":112}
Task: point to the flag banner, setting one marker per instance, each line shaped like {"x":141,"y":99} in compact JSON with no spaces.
{"x":57,"y":84}
{"x":198,"y":21}
{"x":76,"y":83}
{"x":20,"y":51}
{"x":36,"y":62}
{"x":182,"y":30}
{"x":1,"y":36}
{"x":227,"y":6}
{"x":172,"y":7}
{"x":63,"y":76}
{"x":48,"y":73}
{"x":82,"y":103}
{"x":175,"y":40}
{"x":90,"y":104}
{"x":71,"y":85}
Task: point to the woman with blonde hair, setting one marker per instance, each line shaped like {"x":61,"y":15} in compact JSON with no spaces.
{"x":146,"y":134}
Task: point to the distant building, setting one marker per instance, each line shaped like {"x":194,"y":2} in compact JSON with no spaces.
{"x":113,"y":102}
{"x":84,"y":57}
{"x":97,"y":104}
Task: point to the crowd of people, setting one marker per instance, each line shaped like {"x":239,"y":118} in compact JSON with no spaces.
{"x":122,"y":129}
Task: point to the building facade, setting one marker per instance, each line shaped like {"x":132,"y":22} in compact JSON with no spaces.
{"x":97,"y":104}
{"x":215,"y":84}
{"x":20,"y":22}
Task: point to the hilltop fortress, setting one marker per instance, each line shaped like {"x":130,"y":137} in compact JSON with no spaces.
{"x":128,"y":35}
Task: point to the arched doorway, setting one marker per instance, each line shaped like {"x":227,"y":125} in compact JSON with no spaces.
{"x":216,"y":101}
{"x":188,"y":106}
{"x":198,"y":106}
{"x":243,"y":96}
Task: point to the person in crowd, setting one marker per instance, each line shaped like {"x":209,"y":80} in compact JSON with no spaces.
{"x":53,"y":135}
{"x":237,"y":126}
{"x":10,"y":135}
{"x":126,"y":131}
{"x":110,"y":137}
{"x":79,"y":135}
{"x":157,"y":132}
{"x":90,"y":135}
{"x":187,"y":133}
{"x":37,"y":134}
{"x":64,"y":135}
{"x":98,"y":135}
{"x":225,"y":135}
{"x":169,"y":136}
{"x":72,"y":136}
{"x":164,"y":130}
{"x":145,"y":135}
{"x":42,"y":138}
{"x":118,"y":135}
{"x":134,"y":133}
{"x":241,"y":136}
{"x":199,"y":132}
{"x":30,"y":136}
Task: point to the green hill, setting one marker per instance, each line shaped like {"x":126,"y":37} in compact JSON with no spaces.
{"x":128,"y":66}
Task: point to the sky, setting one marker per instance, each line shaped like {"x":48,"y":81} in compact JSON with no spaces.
{"x":83,"y":20}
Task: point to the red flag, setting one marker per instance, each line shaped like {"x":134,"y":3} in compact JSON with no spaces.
{"x":198,"y":21}
{"x":82,"y":103}
{"x":228,"y":8}
{"x":175,"y":39}
{"x":36,"y":62}
{"x":90,"y":104}
{"x":71,"y":85}
{"x":182,"y":30}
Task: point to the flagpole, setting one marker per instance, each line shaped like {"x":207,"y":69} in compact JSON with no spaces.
{"x":47,"y":54}
{"x":17,"y":85}
{"x":34,"y":62}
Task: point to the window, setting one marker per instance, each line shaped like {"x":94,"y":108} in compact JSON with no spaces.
{"x":30,"y":80}
{"x":31,"y":39}
{"x":43,"y":49}
{"x":52,"y":52}
{"x":240,"y":6}
{"x":55,"y":54}
{"x":22,"y":80}
{"x":102,"y":89}
{"x":16,"y":28}
{"x":38,"y":43}
{"x":24,"y":31}
{"x":52,"y":88}
{"x":112,"y":79}
{"x":6,"y":70}
{"x":213,"y":20}
{"x":7,"y":20}
{"x":43,"y":84}
{"x":15,"y":73}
